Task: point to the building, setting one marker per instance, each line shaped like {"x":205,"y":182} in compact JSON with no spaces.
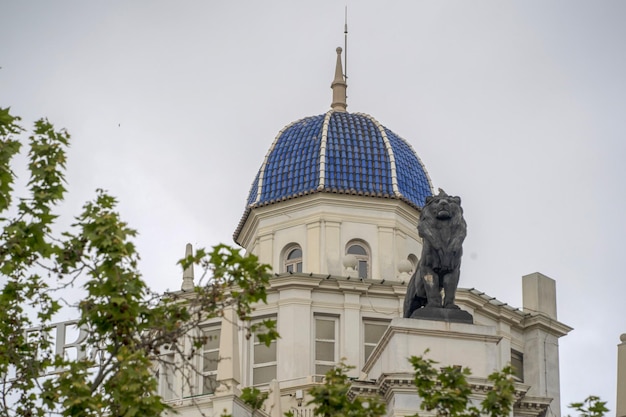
{"x":333,"y":209}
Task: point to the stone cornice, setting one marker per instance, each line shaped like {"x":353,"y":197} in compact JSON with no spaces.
{"x":490,"y":307}
{"x":546,"y":324}
{"x":291,"y":281}
{"x":380,"y":288}
{"x":327,"y":207}
{"x":532,"y":406}
{"x":479,"y":302}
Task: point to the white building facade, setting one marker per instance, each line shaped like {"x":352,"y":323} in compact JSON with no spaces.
{"x":333,"y":210}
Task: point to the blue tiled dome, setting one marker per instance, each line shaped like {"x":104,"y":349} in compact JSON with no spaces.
{"x":340,"y":152}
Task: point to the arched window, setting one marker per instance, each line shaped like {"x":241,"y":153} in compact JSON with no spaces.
{"x":414,"y":261}
{"x":293,"y":259}
{"x":361,"y":253}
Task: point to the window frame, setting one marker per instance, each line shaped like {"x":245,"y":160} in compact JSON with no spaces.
{"x":414,"y":262}
{"x":166,"y":375}
{"x":365,"y":258}
{"x":364,"y":344}
{"x":321,"y":362}
{"x":295,"y":264}
{"x":255,"y":342}
{"x":517,"y":364}
{"x":211,"y":374}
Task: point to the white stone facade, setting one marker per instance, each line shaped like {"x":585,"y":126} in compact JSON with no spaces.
{"x":342,"y":257}
{"x":326,"y":313}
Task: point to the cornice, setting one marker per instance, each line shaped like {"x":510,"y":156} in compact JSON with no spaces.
{"x":479,"y":302}
{"x":546,"y":324}
{"x":290,"y":281}
{"x":290,"y":207}
{"x":490,"y":307}
{"x":383,"y":288}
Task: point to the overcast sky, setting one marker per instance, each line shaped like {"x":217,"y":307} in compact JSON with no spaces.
{"x":519,"y":107}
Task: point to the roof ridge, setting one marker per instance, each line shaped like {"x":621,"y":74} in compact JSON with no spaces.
{"x":322,"y":173}
{"x":390,"y":154}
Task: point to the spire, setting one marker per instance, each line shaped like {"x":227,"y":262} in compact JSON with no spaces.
{"x":188,"y":272}
{"x":339,"y":86}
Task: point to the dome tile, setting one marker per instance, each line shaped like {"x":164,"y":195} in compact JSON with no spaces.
{"x":339,"y":152}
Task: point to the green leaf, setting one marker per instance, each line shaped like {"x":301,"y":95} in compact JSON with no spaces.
{"x":331,"y":399}
{"x":592,"y":406}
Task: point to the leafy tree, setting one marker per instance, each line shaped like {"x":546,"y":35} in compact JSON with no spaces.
{"x":447,"y":392}
{"x":331,"y":398}
{"x":592,"y":406}
{"x":254,"y":397}
{"x":128,"y":324}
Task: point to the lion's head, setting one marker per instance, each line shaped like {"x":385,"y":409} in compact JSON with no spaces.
{"x":442,"y":225}
{"x":442,"y":207}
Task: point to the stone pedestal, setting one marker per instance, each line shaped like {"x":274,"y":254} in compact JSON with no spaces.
{"x":443,"y":314}
{"x":449,"y":343}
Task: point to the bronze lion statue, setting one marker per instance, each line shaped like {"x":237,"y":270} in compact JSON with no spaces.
{"x":442,"y":229}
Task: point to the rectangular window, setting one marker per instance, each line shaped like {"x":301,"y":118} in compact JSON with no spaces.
{"x":372,"y":332}
{"x":210,"y":358}
{"x":517,"y":363}
{"x":326,"y":329}
{"x":166,"y":376}
{"x":263,"y":361}
{"x":363,"y":269}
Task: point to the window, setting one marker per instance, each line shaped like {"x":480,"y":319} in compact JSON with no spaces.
{"x":325,"y":344}
{"x":372,"y":332}
{"x":414,"y":261}
{"x":210,"y":358}
{"x":165,"y":376}
{"x":293,"y":259}
{"x":517,"y":363}
{"x":360,"y":252}
{"x":263,"y":361}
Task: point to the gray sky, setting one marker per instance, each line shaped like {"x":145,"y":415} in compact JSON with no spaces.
{"x":518,"y":107}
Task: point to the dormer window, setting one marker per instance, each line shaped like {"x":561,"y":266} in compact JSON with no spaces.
{"x":293,"y":259}
{"x":414,"y":261}
{"x":361,"y":253}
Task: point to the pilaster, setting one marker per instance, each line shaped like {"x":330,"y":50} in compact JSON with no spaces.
{"x":333,"y":250}
{"x":351,"y":343}
{"x":313,"y":248}
{"x":265,"y":249}
{"x":386,"y":259}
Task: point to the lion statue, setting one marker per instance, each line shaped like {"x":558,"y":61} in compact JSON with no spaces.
{"x":442,"y":229}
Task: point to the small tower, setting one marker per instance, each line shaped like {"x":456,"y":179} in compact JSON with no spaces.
{"x":339,"y":86}
{"x":188,"y":272}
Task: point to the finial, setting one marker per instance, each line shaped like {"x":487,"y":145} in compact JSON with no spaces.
{"x":339,"y":86}
{"x":188,"y":284}
{"x":345,"y":47}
